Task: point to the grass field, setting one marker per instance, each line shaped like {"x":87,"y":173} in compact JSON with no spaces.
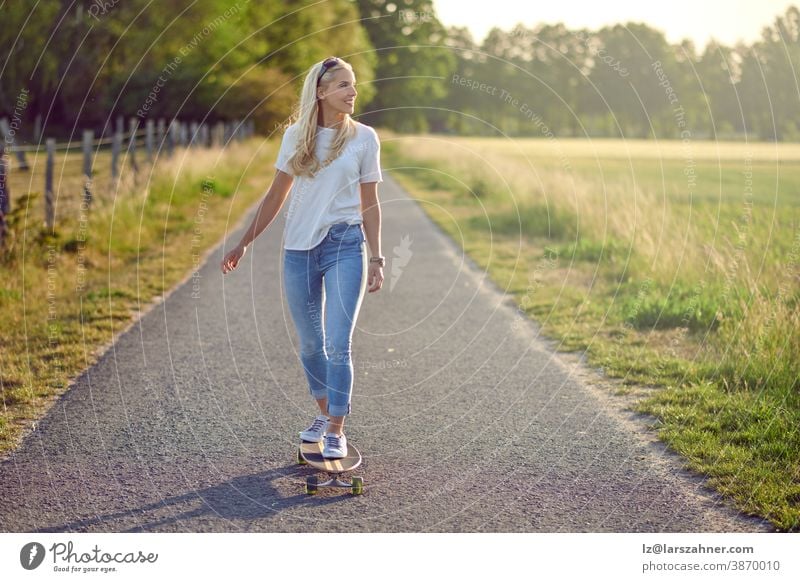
{"x":674,"y":266}
{"x":65,"y":294}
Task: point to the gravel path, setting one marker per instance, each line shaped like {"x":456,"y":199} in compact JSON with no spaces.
{"x":467,"y":420}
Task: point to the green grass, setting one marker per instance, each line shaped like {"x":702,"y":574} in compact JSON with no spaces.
{"x":744,"y":441}
{"x":528,"y":219}
{"x":690,"y":297}
{"x":679,"y":306}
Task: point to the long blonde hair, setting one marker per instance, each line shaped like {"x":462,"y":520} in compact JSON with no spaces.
{"x":304,"y":161}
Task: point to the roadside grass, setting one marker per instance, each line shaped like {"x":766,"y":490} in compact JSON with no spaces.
{"x":65,"y":294}
{"x":675,"y":271}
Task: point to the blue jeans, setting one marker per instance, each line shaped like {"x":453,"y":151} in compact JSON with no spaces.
{"x":332,"y":275}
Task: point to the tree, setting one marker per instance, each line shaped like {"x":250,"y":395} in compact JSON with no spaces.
{"x":719,"y":70}
{"x":86,"y":62}
{"x":414,"y":64}
{"x":778,"y":55}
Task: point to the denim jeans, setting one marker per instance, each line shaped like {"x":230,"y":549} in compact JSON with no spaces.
{"x":333,"y":276}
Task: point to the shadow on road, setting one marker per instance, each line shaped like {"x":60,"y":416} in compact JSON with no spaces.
{"x":249,"y":497}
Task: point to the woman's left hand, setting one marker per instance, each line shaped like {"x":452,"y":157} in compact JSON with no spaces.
{"x":374,"y":277}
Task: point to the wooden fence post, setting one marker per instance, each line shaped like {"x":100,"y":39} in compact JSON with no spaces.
{"x":88,"y":138}
{"x":219,"y":134}
{"x":116,"y":149}
{"x":160,"y":136}
{"x":184,"y":133}
{"x":193,"y":134}
{"x":172,"y":136}
{"x":5,"y":195}
{"x":133,"y":125}
{"x":8,"y":136}
{"x":148,"y":139}
{"x":49,"y":209}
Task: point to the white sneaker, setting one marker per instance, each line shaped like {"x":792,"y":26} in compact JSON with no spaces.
{"x":335,"y":446}
{"x":314,"y":433}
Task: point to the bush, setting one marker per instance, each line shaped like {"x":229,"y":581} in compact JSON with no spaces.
{"x":656,"y":307}
{"x":593,"y":251}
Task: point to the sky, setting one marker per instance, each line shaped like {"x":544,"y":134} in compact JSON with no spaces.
{"x":699,"y":20}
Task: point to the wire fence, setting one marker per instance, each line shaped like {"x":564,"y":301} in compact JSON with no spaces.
{"x":155,"y":139}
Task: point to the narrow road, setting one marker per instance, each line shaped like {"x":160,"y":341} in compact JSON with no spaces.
{"x":467,"y":421}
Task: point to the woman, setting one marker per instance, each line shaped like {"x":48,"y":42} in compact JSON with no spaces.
{"x":331,"y":164}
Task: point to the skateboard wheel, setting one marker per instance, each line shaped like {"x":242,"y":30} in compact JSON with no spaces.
{"x":300,"y":459}
{"x":358,"y":485}
{"x":311,"y":485}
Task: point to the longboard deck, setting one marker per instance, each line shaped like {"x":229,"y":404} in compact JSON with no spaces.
{"x":312,"y":453}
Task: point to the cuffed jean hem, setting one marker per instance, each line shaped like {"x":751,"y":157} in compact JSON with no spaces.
{"x":338,"y":410}
{"x":319,"y":394}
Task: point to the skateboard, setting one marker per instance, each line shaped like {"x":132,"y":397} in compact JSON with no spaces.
{"x":311,"y":454}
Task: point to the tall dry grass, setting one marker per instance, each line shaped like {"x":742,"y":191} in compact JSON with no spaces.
{"x":713,"y":225}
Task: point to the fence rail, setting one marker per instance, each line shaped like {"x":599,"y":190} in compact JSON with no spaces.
{"x":154,"y":138}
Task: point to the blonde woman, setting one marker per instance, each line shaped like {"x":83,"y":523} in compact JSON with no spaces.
{"x":331,"y":165}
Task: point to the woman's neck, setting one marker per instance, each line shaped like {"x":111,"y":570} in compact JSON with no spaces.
{"x":330,"y":120}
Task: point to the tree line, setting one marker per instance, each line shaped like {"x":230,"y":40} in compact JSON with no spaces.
{"x":82,"y":63}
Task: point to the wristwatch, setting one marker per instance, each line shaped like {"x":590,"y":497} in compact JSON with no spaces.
{"x":380,"y":260}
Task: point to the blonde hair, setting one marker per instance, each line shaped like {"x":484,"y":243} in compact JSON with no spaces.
{"x":304,"y":161}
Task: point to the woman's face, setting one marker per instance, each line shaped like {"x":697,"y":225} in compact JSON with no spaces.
{"x":340,"y":91}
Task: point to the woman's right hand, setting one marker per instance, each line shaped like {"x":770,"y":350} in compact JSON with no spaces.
{"x":231,"y":260}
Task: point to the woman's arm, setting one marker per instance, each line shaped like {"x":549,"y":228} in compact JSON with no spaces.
{"x":269,"y":208}
{"x":371,"y":215}
{"x":267,"y":211}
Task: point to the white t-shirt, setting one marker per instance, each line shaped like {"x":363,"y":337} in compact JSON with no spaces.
{"x":333,"y":194}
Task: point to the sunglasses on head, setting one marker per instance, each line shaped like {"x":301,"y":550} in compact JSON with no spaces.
{"x":326,"y":64}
